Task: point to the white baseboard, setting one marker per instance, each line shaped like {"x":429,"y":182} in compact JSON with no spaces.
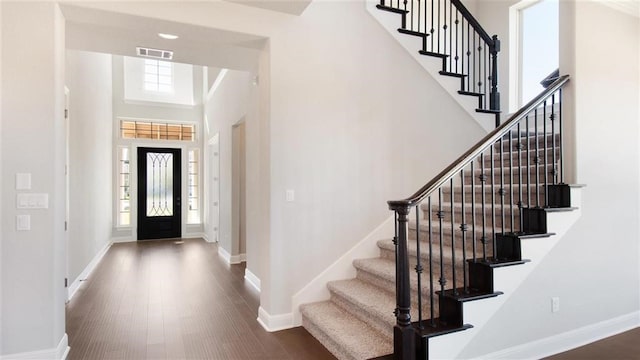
{"x":122,"y":239}
{"x":316,"y":289}
{"x":569,"y":340}
{"x":75,"y":285}
{"x":231,"y":259}
{"x":60,"y":352}
{"x":196,"y":235}
{"x":273,"y":323}
{"x":252,"y":279}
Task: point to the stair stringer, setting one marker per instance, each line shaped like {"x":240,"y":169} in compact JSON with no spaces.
{"x":412,"y":44}
{"x":507,"y":280}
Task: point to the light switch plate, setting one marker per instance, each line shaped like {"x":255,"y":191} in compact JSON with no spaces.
{"x":23,"y":222}
{"x":290,"y":195}
{"x":32,"y":201}
{"x":23,"y":181}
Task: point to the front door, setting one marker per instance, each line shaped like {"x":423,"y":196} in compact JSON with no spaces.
{"x":159,"y":190}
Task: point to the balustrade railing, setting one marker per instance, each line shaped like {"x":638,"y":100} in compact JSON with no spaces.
{"x":450,"y":32}
{"x":455,"y":220}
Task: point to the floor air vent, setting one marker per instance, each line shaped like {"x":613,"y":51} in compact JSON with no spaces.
{"x":155,"y":53}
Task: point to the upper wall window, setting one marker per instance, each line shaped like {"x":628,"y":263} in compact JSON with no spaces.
{"x":151,"y":80}
{"x":158,"y":75}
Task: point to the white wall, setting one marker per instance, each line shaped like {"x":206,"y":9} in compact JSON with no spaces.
{"x":355,"y":121}
{"x":33,"y":262}
{"x":595,"y":266}
{"x":88,"y":77}
{"x":227,"y":105}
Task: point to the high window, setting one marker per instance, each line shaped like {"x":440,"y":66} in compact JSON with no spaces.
{"x":157,"y":131}
{"x":158,"y":76}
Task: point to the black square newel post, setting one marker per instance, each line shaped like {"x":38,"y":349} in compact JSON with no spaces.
{"x":404,"y":336}
{"x":494,"y":95}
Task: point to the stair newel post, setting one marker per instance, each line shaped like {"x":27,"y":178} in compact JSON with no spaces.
{"x":494,"y":96}
{"x":404,"y":337}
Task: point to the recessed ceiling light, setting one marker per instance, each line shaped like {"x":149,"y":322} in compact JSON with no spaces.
{"x":168,"y":36}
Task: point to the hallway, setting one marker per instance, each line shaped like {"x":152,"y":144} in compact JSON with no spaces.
{"x":174,"y":300}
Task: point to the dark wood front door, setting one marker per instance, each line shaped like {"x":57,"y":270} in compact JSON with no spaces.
{"x":159,"y":215}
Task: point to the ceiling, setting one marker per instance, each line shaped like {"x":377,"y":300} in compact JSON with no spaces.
{"x":115,"y":33}
{"x":294,"y":7}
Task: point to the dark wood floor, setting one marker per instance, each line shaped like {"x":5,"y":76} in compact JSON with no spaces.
{"x":625,"y":346}
{"x":174,"y":300}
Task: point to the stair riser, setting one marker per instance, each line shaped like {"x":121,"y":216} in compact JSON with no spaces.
{"x":383,"y":325}
{"x":389,"y":284}
{"x":446,"y":239}
{"x":385,"y":285}
{"x":326,"y":340}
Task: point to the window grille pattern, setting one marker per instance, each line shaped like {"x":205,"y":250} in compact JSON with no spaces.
{"x":124,"y":187}
{"x":193,"y":212}
{"x":156,"y":131}
{"x":159,"y":184}
{"x":158,"y":75}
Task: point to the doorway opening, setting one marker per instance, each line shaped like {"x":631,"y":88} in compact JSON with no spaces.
{"x":238,"y":189}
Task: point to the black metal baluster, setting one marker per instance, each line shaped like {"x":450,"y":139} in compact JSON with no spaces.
{"x":442,"y":280}
{"x":502,"y":192}
{"x":431,"y":308}
{"x":453,"y":239}
{"x":463,"y":229}
{"x":528,"y":155}
{"x":475,"y":58}
{"x":439,"y":4}
{"x":412,"y":16}
{"x":432,"y":24}
{"x":473,"y":210}
{"x":546,"y":162}
{"x":520,"y":147}
{"x":450,"y":36}
{"x":483,"y":180}
{"x":484,"y":79}
{"x":462,"y":51}
{"x":511,"y":167}
{"x":553,"y":138}
{"x":493,"y":202}
{"x":444,"y":35}
{"x":536,"y":161}
{"x":418,"y":267}
{"x":456,"y":58}
{"x":468,"y":57}
{"x":561,"y":136}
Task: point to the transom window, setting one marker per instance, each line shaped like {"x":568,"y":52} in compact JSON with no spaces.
{"x":156,"y":131}
{"x":158,"y":75}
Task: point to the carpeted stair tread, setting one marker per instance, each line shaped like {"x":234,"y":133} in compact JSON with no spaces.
{"x":383,"y":268}
{"x":369,"y":303}
{"x":344,"y":335}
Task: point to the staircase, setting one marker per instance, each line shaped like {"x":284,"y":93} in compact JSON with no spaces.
{"x":470,"y":219}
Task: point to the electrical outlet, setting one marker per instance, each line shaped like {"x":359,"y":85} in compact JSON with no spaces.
{"x":555,"y":304}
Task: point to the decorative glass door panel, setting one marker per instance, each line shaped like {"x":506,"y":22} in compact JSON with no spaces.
{"x":159,"y":184}
{"x":159,"y":211}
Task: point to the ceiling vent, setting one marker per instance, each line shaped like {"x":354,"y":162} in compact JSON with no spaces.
{"x":155,"y":53}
